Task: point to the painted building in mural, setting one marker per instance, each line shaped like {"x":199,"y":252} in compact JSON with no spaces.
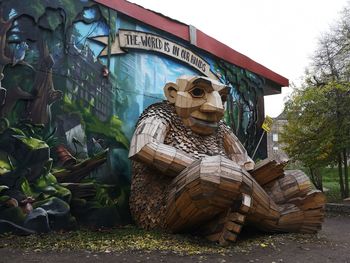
{"x":76,"y":75}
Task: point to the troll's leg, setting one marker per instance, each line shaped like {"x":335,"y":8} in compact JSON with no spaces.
{"x":301,"y":207}
{"x":214,"y":195}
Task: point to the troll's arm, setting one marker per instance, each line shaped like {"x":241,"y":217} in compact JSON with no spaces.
{"x":147,"y":146}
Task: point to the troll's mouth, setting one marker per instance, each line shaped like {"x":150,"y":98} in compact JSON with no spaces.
{"x":211,"y":124}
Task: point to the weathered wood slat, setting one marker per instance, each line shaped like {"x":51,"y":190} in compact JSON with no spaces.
{"x":183,"y":181}
{"x":267,"y":171}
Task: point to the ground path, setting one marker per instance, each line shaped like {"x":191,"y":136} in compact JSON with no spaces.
{"x":332,"y":244}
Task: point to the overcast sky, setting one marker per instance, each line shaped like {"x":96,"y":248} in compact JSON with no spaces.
{"x":280,"y":34}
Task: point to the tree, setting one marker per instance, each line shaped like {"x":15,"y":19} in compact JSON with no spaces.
{"x":331,"y":60}
{"x":318,"y":131}
{"x":306,"y":136}
{"x":331,"y":63}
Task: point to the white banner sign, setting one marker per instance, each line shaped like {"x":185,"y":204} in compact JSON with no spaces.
{"x":146,"y":41}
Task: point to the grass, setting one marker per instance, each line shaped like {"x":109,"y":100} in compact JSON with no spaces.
{"x":331,"y":183}
{"x":113,"y":240}
{"x":132,"y":238}
{"x":333,"y":192}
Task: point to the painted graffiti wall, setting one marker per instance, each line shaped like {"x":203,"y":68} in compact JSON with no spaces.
{"x":75,"y":76}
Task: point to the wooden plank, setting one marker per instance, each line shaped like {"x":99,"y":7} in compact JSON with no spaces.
{"x":267,"y":171}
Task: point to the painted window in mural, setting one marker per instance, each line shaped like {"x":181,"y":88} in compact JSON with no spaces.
{"x":69,"y":101}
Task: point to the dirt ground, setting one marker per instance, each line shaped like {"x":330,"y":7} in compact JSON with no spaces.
{"x":332,"y":244}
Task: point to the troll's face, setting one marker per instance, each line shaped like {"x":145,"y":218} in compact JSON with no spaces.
{"x":198,"y":101}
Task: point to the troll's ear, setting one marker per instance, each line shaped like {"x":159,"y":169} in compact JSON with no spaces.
{"x":170,"y":91}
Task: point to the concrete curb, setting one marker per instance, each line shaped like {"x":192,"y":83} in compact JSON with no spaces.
{"x":338,"y":208}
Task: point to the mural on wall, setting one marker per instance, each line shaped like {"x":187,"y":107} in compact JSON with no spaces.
{"x":244,"y":108}
{"x":69,"y":104}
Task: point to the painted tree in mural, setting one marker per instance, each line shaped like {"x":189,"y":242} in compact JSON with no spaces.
{"x":39,"y":107}
{"x":244,"y":112}
{"x":44,"y":182}
{"x":8,"y":97}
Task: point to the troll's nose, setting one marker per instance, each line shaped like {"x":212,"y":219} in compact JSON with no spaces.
{"x":213,"y":104}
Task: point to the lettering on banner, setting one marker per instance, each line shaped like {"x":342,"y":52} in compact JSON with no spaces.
{"x":128,"y":39}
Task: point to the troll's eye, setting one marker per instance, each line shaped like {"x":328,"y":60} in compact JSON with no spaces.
{"x":197,"y":92}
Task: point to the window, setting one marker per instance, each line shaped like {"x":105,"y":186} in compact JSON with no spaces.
{"x":275,"y":137}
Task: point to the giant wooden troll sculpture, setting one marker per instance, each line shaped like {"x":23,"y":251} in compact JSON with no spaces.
{"x":191,"y":173}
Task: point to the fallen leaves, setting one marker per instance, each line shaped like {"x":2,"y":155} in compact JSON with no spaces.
{"x":132,"y":238}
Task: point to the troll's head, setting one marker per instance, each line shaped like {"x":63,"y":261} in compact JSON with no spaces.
{"x":199,"y":101}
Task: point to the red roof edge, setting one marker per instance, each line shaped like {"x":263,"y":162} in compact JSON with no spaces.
{"x":204,"y":41}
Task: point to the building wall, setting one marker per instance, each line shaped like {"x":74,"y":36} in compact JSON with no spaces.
{"x":274,"y":146}
{"x":63,"y":49}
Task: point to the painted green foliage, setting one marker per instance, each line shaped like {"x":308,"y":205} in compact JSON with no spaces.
{"x":31,"y":197}
{"x":37,"y":9}
{"x":41,"y":190}
{"x":111,"y":128}
{"x":28,"y":184}
{"x":243,"y":112}
{"x":73,"y":165}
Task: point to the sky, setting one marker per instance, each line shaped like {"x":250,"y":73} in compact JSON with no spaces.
{"x":279,"y":34}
